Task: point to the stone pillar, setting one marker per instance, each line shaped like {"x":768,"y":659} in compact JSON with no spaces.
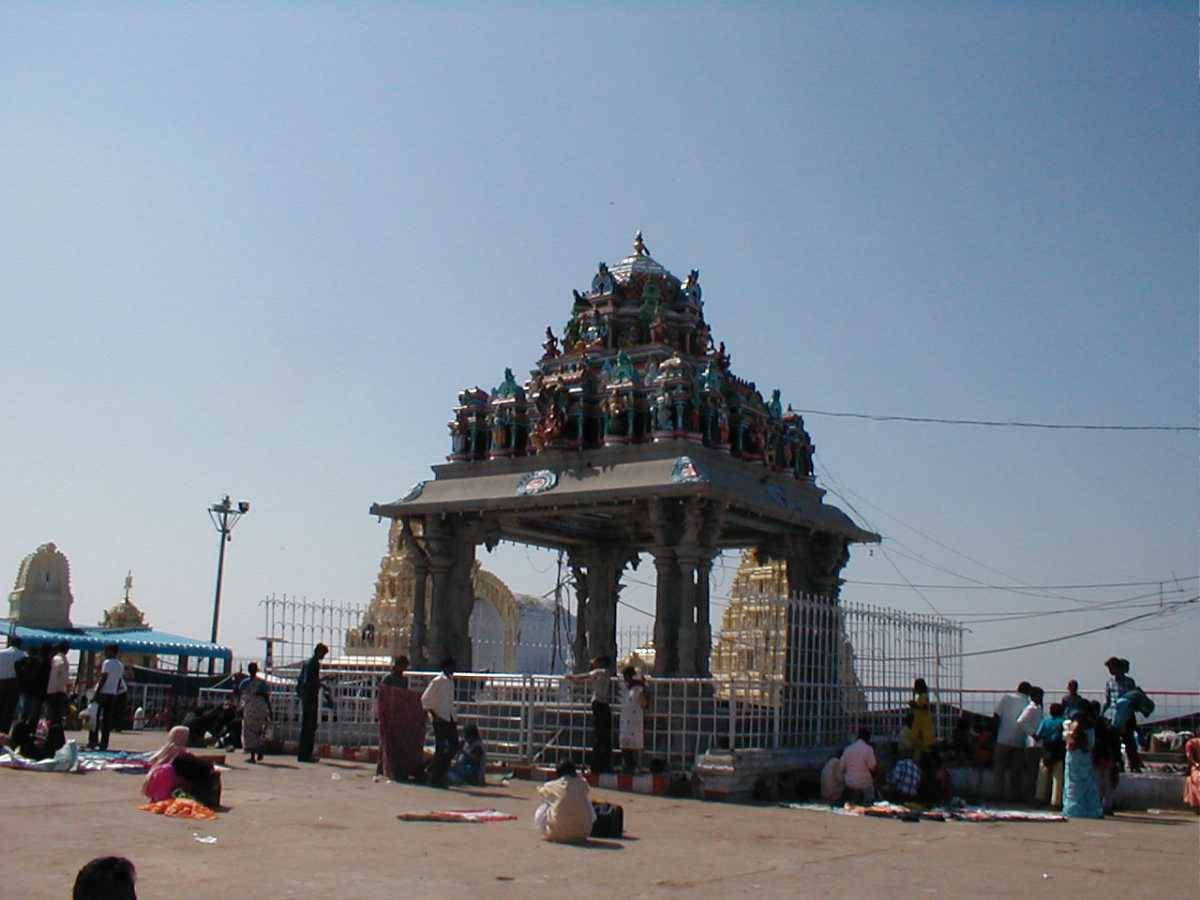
{"x":580,"y":649}
{"x":688,"y":644}
{"x":666,"y":621}
{"x":417,"y":641}
{"x":703,"y":623}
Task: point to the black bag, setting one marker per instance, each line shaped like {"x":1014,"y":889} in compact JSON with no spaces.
{"x":610,"y":820}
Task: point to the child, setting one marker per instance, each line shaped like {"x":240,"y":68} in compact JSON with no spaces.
{"x":471,"y":762}
{"x":565,"y":814}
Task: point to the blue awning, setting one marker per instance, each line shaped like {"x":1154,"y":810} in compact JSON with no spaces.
{"x":130,"y":640}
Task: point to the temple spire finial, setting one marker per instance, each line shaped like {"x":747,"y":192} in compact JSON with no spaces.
{"x":128,"y":584}
{"x":639,"y":245}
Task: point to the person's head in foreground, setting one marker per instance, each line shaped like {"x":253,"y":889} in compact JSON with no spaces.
{"x":864,"y":734}
{"x":919,"y":686}
{"x":399,"y":665}
{"x":1025,"y":688}
{"x":320,"y":651}
{"x":471,"y":732}
{"x":565,"y":769}
{"x":106,"y":878}
{"x":448,"y":665}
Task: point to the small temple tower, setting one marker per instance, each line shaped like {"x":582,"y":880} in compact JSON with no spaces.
{"x":41,"y":597}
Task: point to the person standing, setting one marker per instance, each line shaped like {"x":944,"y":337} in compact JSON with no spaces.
{"x":1054,"y":751}
{"x":438,"y":702}
{"x":1118,"y":685}
{"x":600,"y":679}
{"x":401,"y":726}
{"x":56,"y":685}
{"x":633,"y":706}
{"x":1081,"y":792}
{"x":1009,"y":758}
{"x":859,"y":768}
{"x":256,"y":714}
{"x":10,"y":690}
{"x":309,"y":688}
{"x":1071,"y":701}
{"x":112,"y":678}
{"x":923,"y":736}
{"x":32,"y":674}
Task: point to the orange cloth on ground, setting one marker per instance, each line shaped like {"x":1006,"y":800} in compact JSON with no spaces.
{"x":180,"y":808}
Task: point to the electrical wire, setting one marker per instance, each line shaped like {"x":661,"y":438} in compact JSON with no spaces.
{"x":1057,"y":426}
{"x":1047,"y":587}
{"x":1064,"y":637}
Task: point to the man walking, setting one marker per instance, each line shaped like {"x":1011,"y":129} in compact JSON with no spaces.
{"x":600,"y":679}
{"x":309,"y":689}
{"x":108,"y":691}
{"x":10,"y":691}
{"x":438,"y":702}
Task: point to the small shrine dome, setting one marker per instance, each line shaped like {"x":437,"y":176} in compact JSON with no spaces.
{"x":639,"y":263}
{"x":125,"y":613}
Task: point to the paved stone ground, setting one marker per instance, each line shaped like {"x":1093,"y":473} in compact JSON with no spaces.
{"x":293,"y":830}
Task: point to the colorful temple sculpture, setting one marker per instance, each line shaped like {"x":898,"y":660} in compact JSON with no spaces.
{"x":508,"y":632}
{"x":632,"y":435}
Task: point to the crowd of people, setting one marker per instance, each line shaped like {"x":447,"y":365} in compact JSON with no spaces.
{"x":1066,"y":756}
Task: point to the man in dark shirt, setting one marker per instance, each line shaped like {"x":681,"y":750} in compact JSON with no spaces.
{"x":309,"y":689}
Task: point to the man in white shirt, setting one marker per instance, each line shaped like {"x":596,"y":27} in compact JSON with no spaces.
{"x":860,"y":767}
{"x":438,"y":702}
{"x":57,"y":683}
{"x":600,"y":678}
{"x":9,"y":688}
{"x":112,"y":680}
{"x":1009,"y":759}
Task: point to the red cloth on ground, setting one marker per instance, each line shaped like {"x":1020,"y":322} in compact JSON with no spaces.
{"x":401,"y":732}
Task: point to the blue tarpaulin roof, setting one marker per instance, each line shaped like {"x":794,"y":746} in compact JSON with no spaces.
{"x":130,"y":640}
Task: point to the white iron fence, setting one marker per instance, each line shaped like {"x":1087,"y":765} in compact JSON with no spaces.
{"x":795,"y":673}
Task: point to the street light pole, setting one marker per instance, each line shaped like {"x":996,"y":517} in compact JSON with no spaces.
{"x":224,"y":515}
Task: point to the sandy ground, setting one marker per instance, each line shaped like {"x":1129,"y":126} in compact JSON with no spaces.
{"x":327,"y":830}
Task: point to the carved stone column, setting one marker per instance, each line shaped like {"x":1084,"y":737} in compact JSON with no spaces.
{"x":703,"y":623}
{"x":666,"y":623}
{"x":418,"y":657}
{"x":580,"y":649}
{"x":688,"y":643}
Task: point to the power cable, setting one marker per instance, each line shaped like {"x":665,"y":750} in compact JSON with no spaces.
{"x":1064,"y":637}
{"x":1057,"y":426}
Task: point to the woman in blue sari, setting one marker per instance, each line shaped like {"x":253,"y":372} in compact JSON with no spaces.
{"x":1081,"y":793}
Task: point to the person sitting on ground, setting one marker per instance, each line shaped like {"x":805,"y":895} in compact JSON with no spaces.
{"x":565,"y":814}
{"x":471,"y":763}
{"x":861,"y":768}
{"x":904,"y":782}
{"x":906,"y":743}
{"x":962,"y":739}
{"x":833,"y":780}
{"x":936,"y":786}
{"x":161,"y":781}
{"x":985,"y":743}
{"x":106,"y":878}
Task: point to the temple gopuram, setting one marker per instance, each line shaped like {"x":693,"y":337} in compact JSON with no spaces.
{"x":632,"y":435}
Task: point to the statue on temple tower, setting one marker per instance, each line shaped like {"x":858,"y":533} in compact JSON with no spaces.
{"x":602,"y":281}
{"x":549,"y":345}
{"x":691,"y":288}
{"x":775,"y":407}
{"x":639,"y":245}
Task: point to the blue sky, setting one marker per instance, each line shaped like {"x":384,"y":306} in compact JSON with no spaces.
{"x":258,"y":249}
